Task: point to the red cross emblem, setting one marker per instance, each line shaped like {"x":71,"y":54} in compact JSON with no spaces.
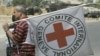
{"x":59,"y":34}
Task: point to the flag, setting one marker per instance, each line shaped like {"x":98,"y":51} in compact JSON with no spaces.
{"x":60,"y":33}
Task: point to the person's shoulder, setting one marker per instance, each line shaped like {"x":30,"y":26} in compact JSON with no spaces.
{"x":23,"y":22}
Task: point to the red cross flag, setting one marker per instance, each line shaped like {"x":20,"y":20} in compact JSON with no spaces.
{"x":60,"y":33}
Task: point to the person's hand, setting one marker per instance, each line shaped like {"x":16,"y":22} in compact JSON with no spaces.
{"x":5,"y":27}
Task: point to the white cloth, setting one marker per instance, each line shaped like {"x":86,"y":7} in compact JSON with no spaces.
{"x":30,"y":35}
{"x":60,"y":33}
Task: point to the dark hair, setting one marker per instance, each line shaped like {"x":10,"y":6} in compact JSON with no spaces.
{"x":30,"y":11}
{"x":37,"y":10}
{"x":13,"y":18}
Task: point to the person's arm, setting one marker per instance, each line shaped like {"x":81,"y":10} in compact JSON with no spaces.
{"x":19,"y":33}
{"x":6,"y":29}
{"x":10,"y":35}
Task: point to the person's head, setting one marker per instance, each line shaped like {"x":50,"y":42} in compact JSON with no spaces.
{"x":30,"y":11}
{"x":37,"y":10}
{"x":19,"y":11}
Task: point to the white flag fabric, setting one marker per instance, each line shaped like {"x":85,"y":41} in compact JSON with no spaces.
{"x":60,"y":33}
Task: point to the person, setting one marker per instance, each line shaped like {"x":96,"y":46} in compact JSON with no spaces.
{"x":9,"y":42}
{"x":43,"y":10}
{"x":30,"y":11}
{"x":37,"y":11}
{"x":19,"y":34}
